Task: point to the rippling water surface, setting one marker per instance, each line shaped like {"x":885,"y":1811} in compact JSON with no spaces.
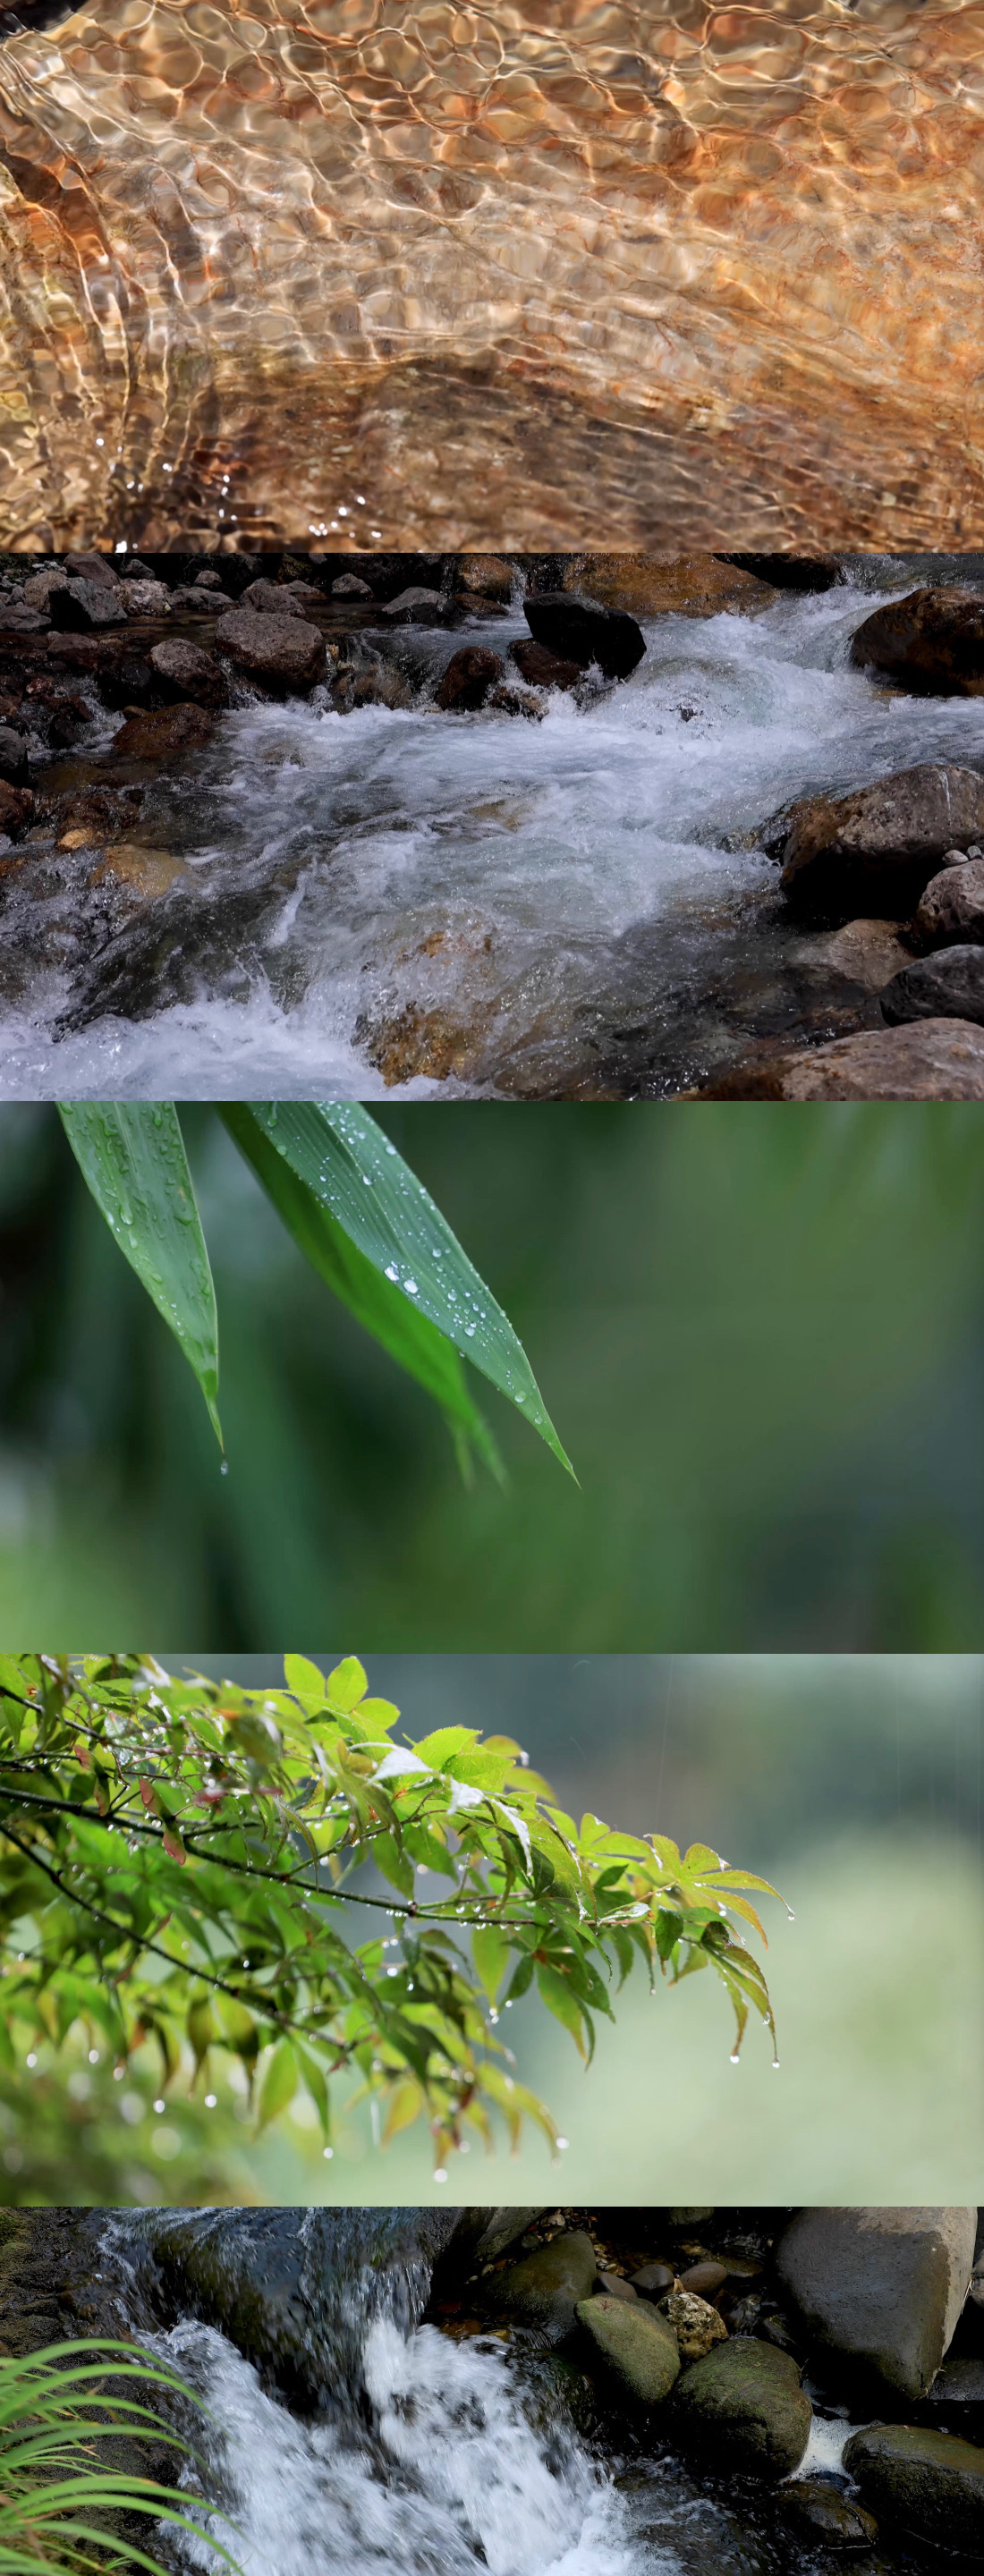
{"x":538,"y":274}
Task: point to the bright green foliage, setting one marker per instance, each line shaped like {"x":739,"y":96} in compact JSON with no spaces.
{"x":356,"y":1211}
{"x":178,"y":1857}
{"x":55,"y":2408}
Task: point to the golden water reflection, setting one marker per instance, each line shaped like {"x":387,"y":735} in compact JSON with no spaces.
{"x":536,"y":273}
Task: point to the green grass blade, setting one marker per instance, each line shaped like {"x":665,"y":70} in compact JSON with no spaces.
{"x":353,"y":1172}
{"x":404,"y":1332}
{"x":133,"y":1157}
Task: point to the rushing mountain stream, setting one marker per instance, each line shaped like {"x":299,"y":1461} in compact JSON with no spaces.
{"x":364,"y":2421}
{"x":335,"y":902}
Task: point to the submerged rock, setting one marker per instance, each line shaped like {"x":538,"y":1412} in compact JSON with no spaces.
{"x":745,"y":2409}
{"x":545,"y":2289}
{"x":874,"y":851}
{"x":930,"y":2484}
{"x":882,"y":2287}
{"x":542,"y":668}
{"x":466,"y":680}
{"x":931,"y":642}
{"x":581,"y":631}
{"x":821,"y":2512}
{"x":281,"y":652}
{"x":947,"y":985}
{"x":637,"y":2345}
{"x":951,"y":907}
{"x":162,"y":733}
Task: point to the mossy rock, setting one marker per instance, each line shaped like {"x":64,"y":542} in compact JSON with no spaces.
{"x":544,"y":2289}
{"x":745,"y":2408}
{"x":638,"y":2346}
{"x":930,"y":2484}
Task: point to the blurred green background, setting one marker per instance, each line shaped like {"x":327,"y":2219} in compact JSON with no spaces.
{"x":853,"y":1782}
{"x":759,"y":1330}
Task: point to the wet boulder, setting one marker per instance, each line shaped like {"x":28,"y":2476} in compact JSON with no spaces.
{"x":545,"y":2288}
{"x":637,"y":2346}
{"x":805,"y":572}
{"x":744,"y":2409}
{"x":582,"y":631}
{"x":931,"y":642}
{"x":542,"y":668}
{"x":873,"y":852}
{"x":881,"y":2288}
{"x":79,"y":607}
{"x":271,"y":599}
{"x":128,"y":681}
{"x":948,"y":985}
{"x":481,"y":2233}
{"x":696,"y":2325}
{"x":466,"y":680}
{"x":658,"y":585}
{"x":864,"y":952}
{"x":820,"y":2512}
{"x":929,"y":2484}
{"x":163,"y":733}
{"x":13,"y":757}
{"x":281,"y":653}
{"x":183,"y":671}
{"x":951,"y":907}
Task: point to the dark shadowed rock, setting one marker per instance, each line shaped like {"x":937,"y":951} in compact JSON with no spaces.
{"x":184,"y":671}
{"x":930,"y":2484}
{"x":874,"y":851}
{"x":542,"y":668}
{"x":653,"y":2280}
{"x":13,"y":757}
{"x":581,"y":631}
{"x":931,"y":642}
{"x":744,"y":2410}
{"x":545,"y":2288}
{"x":271,"y":599}
{"x":820,"y":2512}
{"x":951,"y":907}
{"x":79,"y":607}
{"x":128,"y":681}
{"x":638,"y":2347}
{"x":282,"y":653}
{"x":466,"y":680}
{"x":881,"y":2287}
{"x":791,"y":572}
{"x":612,"y":2286}
{"x":17,"y":809}
{"x":947,"y":986}
{"x":163,"y":733}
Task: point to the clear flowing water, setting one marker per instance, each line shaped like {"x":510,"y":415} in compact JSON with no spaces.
{"x":523,"y":272}
{"x":467,"y":904}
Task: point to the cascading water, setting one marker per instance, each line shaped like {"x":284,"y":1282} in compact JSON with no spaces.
{"x":476,"y":904}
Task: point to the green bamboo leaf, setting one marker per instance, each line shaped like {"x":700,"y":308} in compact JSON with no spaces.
{"x":357,"y":1177}
{"x":406,"y":1333}
{"x":133,"y":1158}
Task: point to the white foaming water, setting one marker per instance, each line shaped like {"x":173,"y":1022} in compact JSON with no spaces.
{"x":529,"y":885}
{"x":444,"y":2471}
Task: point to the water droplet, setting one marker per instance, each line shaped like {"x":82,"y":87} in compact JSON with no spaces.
{"x":411,"y":1288}
{"x":734,"y":2057}
{"x":562,"y":2143}
{"x":440,"y":2175}
{"x":224,"y":1469}
{"x":392,"y":1271}
{"x":775,"y":2062}
{"x":328,"y":2153}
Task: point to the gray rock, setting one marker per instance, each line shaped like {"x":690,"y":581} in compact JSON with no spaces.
{"x":612,"y":2286}
{"x":930,"y":2484}
{"x":281,"y":652}
{"x":820,"y":2512}
{"x":80,"y":606}
{"x":947,"y":985}
{"x":545,"y":2288}
{"x":637,"y":2345}
{"x":207,"y":581}
{"x":874,"y":851}
{"x":37,"y":591}
{"x":185,"y":671}
{"x":416,"y":606}
{"x":744,"y":2407}
{"x":89,"y":565}
{"x":653,"y":2279}
{"x":579,"y":630}
{"x":147,"y":598}
{"x":882,"y":2286}
{"x":487,"y":2232}
{"x":952,"y":905}
{"x":271,"y":599}
{"x":348,"y":586}
{"x":16,"y":618}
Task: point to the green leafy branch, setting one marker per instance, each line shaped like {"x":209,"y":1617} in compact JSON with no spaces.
{"x":357,"y":1212}
{"x":55,"y":2408}
{"x":179,"y":1857}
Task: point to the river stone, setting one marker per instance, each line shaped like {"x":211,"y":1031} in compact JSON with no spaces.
{"x":269,"y":599}
{"x":544,"y":2289}
{"x":653,"y":2279}
{"x":821,"y":2513}
{"x":885,"y":2286}
{"x":484,"y":2232}
{"x":37,"y":591}
{"x":13,"y":757}
{"x":932,"y":2484}
{"x":947,"y":985}
{"x":581,"y":631}
{"x":611,"y":2285}
{"x":185,"y":671}
{"x":91,"y":566}
{"x":816,"y":571}
{"x":348,"y":586}
{"x":654,"y":585}
{"x":874,"y":851}
{"x":466,"y":680}
{"x":640,"y":2348}
{"x":488,"y":576}
{"x":952,"y":905}
{"x":418,"y":606}
{"x":283,"y":652}
{"x":696,"y":2325}
{"x":931,"y":642}
{"x":162,"y":734}
{"x":745,"y":2407}
{"x":16,"y":618}
{"x":79,"y":606}
{"x":921,"y":1060}
{"x":146,"y":598}
{"x":541,"y":668}
{"x":868,"y":953}
{"x":704,"y":2279}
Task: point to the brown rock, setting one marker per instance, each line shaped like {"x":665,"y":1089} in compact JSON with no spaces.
{"x":17,"y":809}
{"x":951,"y":907}
{"x":427,"y":1043}
{"x":651,"y":585}
{"x":162,"y":734}
{"x":822,"y":2513}
{"x":931,"y":642}
{"x":38,"y":590}
{"x":704,"y":2279}
{"x":146,"y":598}
{"x":922,"y":1060}
{"x":612,"y":2286}
{"x":185,"y":672}
{"x":517,"y":702}
{"x":696,"y":2325}
{"x":466,"y":680}
{"x":868,"y":952}
{"x":488,"y":575}
{"x":282,"y":653}
{"x":542,"y":668}
{"x":92,"y":816}
{"x":874,"y":851}
{"x":146,"y":872}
